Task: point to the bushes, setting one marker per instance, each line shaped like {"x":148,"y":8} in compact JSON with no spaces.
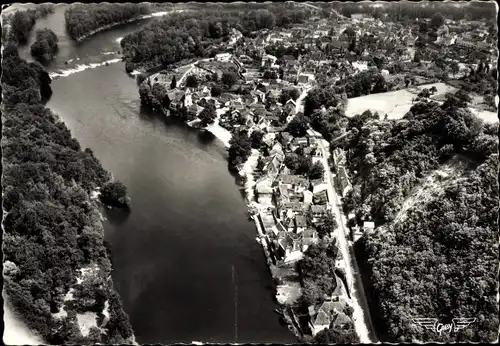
{"x":45,"y":46}
{"x":114,"y":194}
{"x":240,"y":149}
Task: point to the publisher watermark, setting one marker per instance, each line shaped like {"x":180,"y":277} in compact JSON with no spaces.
{"x":433,"y":324}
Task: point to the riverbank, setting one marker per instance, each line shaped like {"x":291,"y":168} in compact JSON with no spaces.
{"x":131,"y":20}
{"x":15,"y":331}
{"x":66,"y":254}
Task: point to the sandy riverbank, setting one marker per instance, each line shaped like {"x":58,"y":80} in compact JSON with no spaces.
{"x":15,"y":331}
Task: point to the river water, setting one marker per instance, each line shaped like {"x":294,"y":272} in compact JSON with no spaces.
{"x":174,"y":253}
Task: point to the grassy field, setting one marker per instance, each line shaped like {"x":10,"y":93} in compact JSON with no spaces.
{"x":397,"y":103}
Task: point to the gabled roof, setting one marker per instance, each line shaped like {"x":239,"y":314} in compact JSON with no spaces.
{"x":341,"y":319}
{"x":339,"y":290}
{"x":332,"y":308}
{"x":322,"y":319}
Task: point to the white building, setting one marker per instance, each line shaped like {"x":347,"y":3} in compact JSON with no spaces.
{"x":223,"y":57}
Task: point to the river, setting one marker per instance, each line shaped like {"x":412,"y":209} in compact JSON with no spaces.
{"x":174,"y":253}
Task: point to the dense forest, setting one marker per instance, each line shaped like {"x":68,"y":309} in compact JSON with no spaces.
{"x":52,"y":229}
{"x":191,"y":34}
{"x":442,"y":261}
{"x":21,"y":23}
{"x":84,"y":19}
{"x":45,"y":46}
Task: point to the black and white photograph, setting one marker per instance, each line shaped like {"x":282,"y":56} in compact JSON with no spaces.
{"x":245,"y":172}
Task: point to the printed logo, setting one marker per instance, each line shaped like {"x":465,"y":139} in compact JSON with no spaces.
{"x":447,"y":328}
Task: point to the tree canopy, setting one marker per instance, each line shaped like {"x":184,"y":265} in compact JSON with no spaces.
{"x":52,"y":228}
{"x":444,"y":253}
{"x":83,"y":19}
{"x":45,"y":46}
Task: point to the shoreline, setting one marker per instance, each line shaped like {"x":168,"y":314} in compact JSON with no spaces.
{"x":131,"y":20}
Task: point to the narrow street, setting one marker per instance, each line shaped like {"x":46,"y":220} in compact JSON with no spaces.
{"x":362,"y":318}
{"x":299,"y":107}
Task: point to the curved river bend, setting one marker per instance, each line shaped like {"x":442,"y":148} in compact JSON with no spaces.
{"x":174,"y":254}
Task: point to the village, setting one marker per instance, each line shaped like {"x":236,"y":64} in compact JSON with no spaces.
{"x":243,"y":88}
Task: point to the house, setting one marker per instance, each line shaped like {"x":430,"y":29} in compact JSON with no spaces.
{"x":300,"y":142}
{"x":307,"y":197}
{"x":318,"y":211}
{"x":343,"y":181}
{"x":296,"y":182}
{"x":289,"y":209}
{"x":289,"y":247}
{"x":258,"y":109}
{"x":237,"y":105}
{"x":329,"y":313}
{"x":193,"y":111}
{"x":273,"y":166}
{"x":274,"y":94}
{"x":175,"y":99}
{"x":300,"y":223}
{"x":290,"y":107}
{"x":264,"y":190}
{"x":245,"y":59}
{"x":277,"y":149}
{"x":269,"y":223}
{"x":223,"y":57}
{"x":205,"y":91}
{"x":282,"y":193}
{"x":268,"y":139}
{"x":303,"y":79}
{"x":286,"y":138}
{"x":268,"y":60}
{"x":309,"y":237}
{"x":368,"y":226}
{"x":320,"y":198}
{"x":339,"y":293}
{"x":339,"y":158}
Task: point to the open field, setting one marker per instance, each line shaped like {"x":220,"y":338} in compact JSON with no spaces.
{"x":397,"y":103}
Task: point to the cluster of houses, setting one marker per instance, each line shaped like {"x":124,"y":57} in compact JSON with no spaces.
{"x":294,"y":204}
{"x":290,"y":208}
